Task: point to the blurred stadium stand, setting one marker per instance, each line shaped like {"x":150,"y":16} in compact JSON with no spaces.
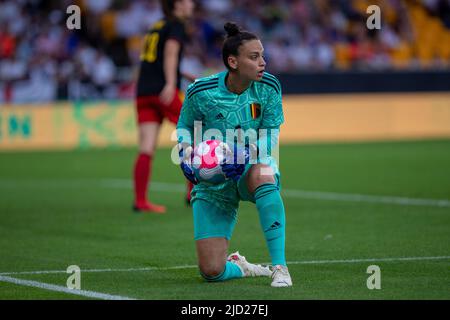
{"x":316,"y":45}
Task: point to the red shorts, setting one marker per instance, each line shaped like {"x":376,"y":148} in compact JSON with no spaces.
{"x":150,"y":108}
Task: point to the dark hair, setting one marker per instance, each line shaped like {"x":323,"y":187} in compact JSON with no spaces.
{"x":235,"y":38}
{"x":167,"y":7}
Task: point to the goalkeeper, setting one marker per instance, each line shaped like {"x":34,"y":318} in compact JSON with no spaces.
{"x":243,"y":97}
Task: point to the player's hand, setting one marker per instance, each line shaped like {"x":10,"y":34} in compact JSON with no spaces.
{"x":186,"y":155}
{"x":235,"y":161}
{"x":167,"y":94}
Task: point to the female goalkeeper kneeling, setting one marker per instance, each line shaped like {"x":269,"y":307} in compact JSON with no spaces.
{"x":242,"y":98}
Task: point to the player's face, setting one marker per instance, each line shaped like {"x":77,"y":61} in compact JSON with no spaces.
{"x":250,"y":61}
{"x":186,"y":8}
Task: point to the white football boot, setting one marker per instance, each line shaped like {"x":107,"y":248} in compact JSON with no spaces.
{"x":281,"y":277}
{"x":249,"y":269}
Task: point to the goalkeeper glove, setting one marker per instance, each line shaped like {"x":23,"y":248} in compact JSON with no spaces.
{"x":186,"y":155}
{"x":234,"y":164}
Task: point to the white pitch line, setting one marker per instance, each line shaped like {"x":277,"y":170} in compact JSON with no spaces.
{"x":52,"y":287}
{"x":305,"y":194}
{"x":180,"y":188}
{"x":395,"y":259}
{"x":98,"y":295}
{"x":320,"y":195}
{"x":370,"y":260}
{"x":103,"y":270}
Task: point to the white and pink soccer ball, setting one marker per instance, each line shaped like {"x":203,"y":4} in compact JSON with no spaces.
{"x":208,"y":155}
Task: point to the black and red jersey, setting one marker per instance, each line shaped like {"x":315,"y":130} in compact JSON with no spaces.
{"x":151,"y":78}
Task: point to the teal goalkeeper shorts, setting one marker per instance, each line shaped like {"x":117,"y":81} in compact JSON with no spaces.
{"x":212,"y":221}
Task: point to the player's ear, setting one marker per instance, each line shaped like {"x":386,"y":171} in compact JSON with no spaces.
{"x":232,"y":62}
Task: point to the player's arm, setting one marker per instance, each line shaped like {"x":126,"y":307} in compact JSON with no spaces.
{"x":185,"y":125}
{"x":185,"y":138}
{"x":170,"y":67}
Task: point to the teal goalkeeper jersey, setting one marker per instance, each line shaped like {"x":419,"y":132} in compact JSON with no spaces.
{"x":215,"y":112}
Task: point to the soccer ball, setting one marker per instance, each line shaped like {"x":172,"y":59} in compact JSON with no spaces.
{"x":208,"y":155}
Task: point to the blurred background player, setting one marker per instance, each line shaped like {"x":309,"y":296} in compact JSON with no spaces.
{"x":158,"y":94}
{"x":247,"y":98}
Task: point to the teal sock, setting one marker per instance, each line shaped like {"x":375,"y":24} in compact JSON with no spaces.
{"x":273,"y":221}
{"x":230,"y":271}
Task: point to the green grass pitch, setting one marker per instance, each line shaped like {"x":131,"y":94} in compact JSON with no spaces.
{"x":74,"y":208}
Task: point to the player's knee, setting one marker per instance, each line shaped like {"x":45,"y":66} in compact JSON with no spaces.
{"x":146,"y":147}
{"x":258,"y":175}
{"x":210,"y":271}
{"x":148,"y":138}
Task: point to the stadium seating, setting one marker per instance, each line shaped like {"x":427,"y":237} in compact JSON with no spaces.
{"x":413,"y":36}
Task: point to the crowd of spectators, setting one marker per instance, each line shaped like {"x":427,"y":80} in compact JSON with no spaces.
{"x":42,"y":60}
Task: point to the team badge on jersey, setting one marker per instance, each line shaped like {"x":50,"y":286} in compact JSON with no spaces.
{"x":255,"y":110}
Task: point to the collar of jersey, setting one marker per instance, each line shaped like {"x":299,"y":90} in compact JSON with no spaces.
{"x":222,"y":76}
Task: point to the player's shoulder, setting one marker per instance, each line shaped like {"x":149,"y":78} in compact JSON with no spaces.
{"x":202,"y":84}
{"x":270,"y":82}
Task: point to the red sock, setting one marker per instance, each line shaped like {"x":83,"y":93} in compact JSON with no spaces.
{"x":142,"y":171}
